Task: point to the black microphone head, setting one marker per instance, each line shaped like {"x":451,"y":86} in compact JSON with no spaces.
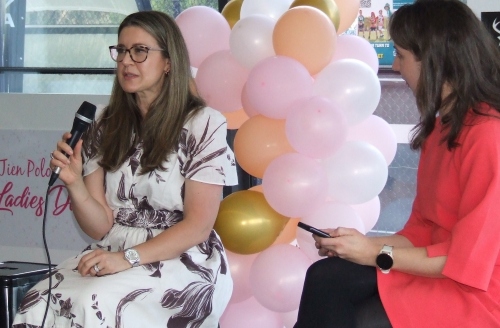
{"x":86,"y":112}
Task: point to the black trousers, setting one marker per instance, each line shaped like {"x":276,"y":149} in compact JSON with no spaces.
{"x":341,"y":294}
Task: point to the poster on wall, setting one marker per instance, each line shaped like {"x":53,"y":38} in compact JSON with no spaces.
{"x":372,"y":24}
{"x":492,"y":22}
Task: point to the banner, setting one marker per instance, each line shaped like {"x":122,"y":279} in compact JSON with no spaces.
{"x":30,"y":126}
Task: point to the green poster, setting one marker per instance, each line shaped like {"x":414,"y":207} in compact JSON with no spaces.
{"x":372,"y":24}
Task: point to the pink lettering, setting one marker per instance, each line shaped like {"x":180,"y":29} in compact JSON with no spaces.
{"x":38,"y":170}
{"x":61,"y":203}
{"x":7,"y":169}
{"x":25,"y":201}
{"x":6,"y":189}
{"x":2,"y":166}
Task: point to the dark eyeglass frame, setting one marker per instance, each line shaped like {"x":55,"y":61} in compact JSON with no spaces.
{"x":142,"y":47}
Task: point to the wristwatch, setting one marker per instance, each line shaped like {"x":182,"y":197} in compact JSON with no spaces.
{"x":132,"y":256}
{"x":385,"y":259}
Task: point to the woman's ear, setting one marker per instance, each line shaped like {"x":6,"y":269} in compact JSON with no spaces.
{"x":167,"y":66}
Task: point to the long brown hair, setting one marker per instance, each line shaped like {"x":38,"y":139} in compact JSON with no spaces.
{"x":121,"y":126}
{"x":454,"y":48}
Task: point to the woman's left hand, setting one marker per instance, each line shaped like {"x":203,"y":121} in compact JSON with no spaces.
{"x":348,"y":244}
{"x":100,"y":262}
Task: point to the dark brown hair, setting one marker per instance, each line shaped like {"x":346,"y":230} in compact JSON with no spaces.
{"x":121,"y":126}
{"x":454,"y":48}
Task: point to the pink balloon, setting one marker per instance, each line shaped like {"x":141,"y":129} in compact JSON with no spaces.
{"x":275,"y":83}
{"x":334,"y":215}
{"x":245,"y":101}
{"x":356,"y":47}
{"x":205,"y":31}
{"x":327,"y":215}
{"x":224,"y":91}
{"x":307,"y":245}
{"x":376,"y":131}
{"x":352,"y":85}
{"x":293,"y":184}
{"x":369,"y":212}
{"x":315,"y":127}
{"x":277,"y":277}
{"x":240,"y":265}
{"x":249,"y":314}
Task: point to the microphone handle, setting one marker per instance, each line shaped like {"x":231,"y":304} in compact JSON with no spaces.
{"x":75,"y":136}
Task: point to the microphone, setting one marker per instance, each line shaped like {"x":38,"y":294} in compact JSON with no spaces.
{"x":83,"y":117}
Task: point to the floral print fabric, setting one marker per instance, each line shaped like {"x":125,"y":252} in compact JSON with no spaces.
{"x":189,"y":291}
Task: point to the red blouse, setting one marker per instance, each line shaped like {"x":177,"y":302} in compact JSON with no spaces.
{"x":456,"y":213}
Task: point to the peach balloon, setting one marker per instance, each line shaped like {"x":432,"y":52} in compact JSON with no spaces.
{"x":258,"y":142}
{"x":257,"y":188}
{"x":329,"y":7}
{"x":348,"y":10}
{"x":235,"y":119}
{"x":289,"y":232}
{"x":307,"y":35}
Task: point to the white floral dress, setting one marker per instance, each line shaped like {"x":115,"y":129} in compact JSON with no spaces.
{"x":189,"y":291}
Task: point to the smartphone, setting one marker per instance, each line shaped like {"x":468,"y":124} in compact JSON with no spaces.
{"x":313,"y":230}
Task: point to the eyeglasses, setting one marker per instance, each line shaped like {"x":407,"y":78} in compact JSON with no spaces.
{"x":137,"y":53}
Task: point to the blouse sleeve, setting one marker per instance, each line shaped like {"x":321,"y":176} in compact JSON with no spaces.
{"x":204,"y":153}
{"x":89,"y":154}
{"x":474,"y":246}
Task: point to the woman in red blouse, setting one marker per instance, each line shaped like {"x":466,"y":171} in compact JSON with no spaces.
{"x":443,"y":268}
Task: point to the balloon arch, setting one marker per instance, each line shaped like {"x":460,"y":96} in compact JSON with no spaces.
{"x":301,"y":95}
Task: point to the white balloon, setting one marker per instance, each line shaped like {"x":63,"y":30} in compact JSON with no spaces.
{"x":289,"y":318}
{"x":352,"y":85}
{"x":357,"y":172}
{"x":270,"y":8}
{"x":251,"y":39}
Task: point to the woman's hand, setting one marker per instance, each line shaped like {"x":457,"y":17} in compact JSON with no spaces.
{"x":71,"y":167}
{"x":105,"y":262}
{"x":348,"y":244}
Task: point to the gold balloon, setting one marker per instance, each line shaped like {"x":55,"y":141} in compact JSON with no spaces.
{"x":247,"y":224}
{"x":329,"y":7}
{"x":231,"y":11}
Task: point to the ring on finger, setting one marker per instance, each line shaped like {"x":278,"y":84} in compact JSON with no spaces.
{"x":96,"y":268}
{"x":52,"y":155}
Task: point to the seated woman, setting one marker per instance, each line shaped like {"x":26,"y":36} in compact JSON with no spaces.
{"x":442,"y":269}
{"x":154,"y":166}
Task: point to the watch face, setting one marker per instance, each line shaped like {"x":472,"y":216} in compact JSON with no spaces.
{"x":132,"y":255}
{"x":384,"y":261}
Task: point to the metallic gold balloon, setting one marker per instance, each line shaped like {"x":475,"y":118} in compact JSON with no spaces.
{"x":231,"y":11}
{"x":329,"y":7}
{"x":247,"y":224}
